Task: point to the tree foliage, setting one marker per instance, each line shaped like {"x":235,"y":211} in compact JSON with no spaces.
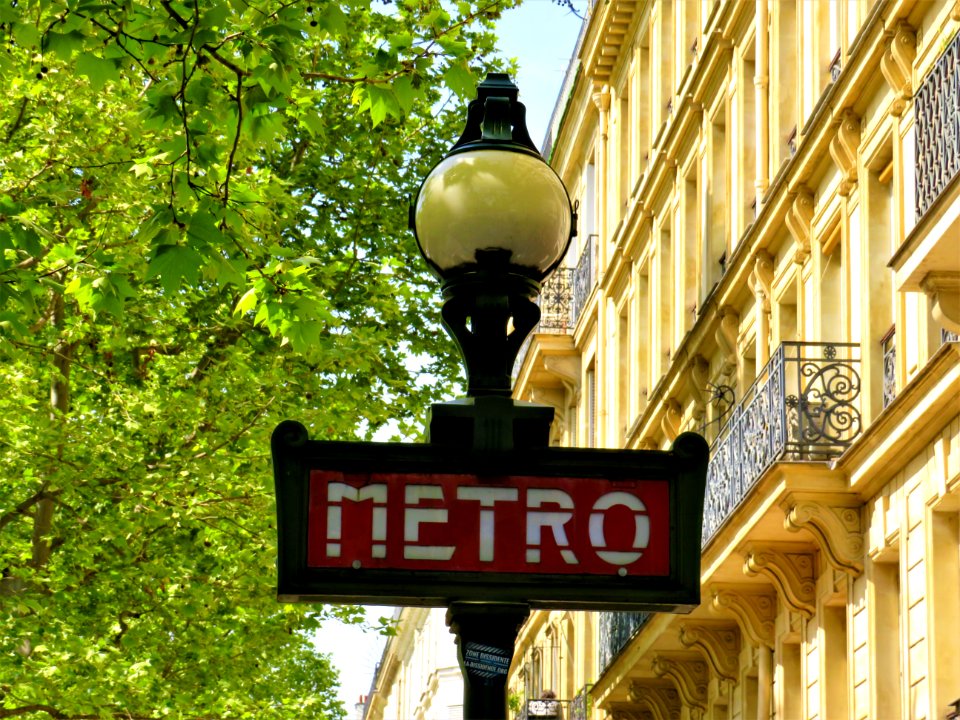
{"x":202,"y":232}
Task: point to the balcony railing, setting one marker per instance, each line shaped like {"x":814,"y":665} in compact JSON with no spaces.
{"x":555,"y":302}
{"x":803,"y":406}
{"x":544,"y":709}
{"x":888,"y":347}
{"x":580,"y":705}
{"x":938,"y":128}
{"x":556,"y":311}
{"x":584,"y":276}
{"x":616,"y":631}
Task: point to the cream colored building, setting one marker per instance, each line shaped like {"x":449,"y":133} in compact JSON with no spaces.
{"x":769,"y":253}
{"x":418,"y":677}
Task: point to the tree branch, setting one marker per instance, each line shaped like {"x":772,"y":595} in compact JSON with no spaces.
{"x":18,"y":121}
{"x":206,"y":47}
{"x":236,"y":139}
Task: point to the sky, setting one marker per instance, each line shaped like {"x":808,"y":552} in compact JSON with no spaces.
{"x":541,"y":36}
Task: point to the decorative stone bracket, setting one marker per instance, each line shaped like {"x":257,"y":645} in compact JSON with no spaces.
{"x":697,"y":371}
{"x":799,"y":220}
{"x":726,"y":336}
{"x":896,"y":64}
{"x":754,"y":610}
{"x":671,"y":419}
{"x":761,"y":279}
{"x":792,"y":571}
{"x":843,"y":150}
{"x":943,"y":289}
{"x":691,"y":678}
{"x":835,"y":528}
{"x":663,"y":702}
{"x":719,"y":645}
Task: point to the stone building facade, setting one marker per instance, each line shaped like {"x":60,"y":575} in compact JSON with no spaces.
{"x":769,"y":254}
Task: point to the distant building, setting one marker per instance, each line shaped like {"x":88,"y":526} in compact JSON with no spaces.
{"x":769,"y":254}
{"x":418,"y":677}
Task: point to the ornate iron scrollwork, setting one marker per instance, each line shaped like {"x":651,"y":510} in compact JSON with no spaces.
{"x":555,"y":302}
{"x":616,"y":631}
{"x":584,"y":276}
{"x":938,"y":128}
{"x":803,"y":406}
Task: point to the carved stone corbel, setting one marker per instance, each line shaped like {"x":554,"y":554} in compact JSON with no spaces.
{"x":726,"y":336}
{"x":565,"y":367}
{"x":671,"y":419}
{"x":799,"y":219}
{"x":761,"y":279}
{"x":896,"y":64}
{"x":647,"y":443}
{"x":790,"y":569}
{"x":691,"y":679}
{"x":943,"y":289}
{"x":601,"y":98}
{"x":836,"y":529}
{"x":719,"y":645}
{"x":754,"y":610}
{"x":698,"y":369}
{"x":843,"y":150}
{"x":662,"y":701}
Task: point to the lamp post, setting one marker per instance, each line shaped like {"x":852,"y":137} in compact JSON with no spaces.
{"x":485,"y":518}
{"x":492,"y":220}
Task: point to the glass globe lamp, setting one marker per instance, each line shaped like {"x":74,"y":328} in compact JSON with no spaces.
{"x":492,"y":220}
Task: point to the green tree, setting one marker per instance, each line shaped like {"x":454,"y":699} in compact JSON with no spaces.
{"x":202,"y":232}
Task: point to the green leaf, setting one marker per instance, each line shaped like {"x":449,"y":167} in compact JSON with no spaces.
{"x":174,"y":264}
{"x":98,"y":70}
{"x":382,"y":103}
{"x":460,"y":79}
{"x":404,"y":92}
{"x":64,"y":44}
{"x":247,"y":302}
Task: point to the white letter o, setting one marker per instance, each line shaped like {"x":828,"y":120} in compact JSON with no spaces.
{"x":641,"y":537}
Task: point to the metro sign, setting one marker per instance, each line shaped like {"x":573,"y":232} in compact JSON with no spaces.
{"x":426,"y":525}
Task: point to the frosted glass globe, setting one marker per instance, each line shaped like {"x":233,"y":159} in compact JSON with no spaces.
{"x":493,"y":199}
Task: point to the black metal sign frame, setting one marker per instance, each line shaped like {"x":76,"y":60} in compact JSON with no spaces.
{"x":684,"y":467}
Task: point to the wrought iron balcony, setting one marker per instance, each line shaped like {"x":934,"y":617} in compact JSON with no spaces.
{"x":938,"y":128}
{"x":616,"y":631}
{"x":580,"y":705}
{"x":544,"y":709}
{"x":584,"y":276}
{"x":556,"y":316}
{"x":803,"y":406}
{"x":556,"y":303}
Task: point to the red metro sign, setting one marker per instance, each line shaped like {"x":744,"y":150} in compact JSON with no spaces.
{"x":520,"y":524}
{"x":428,"y":525}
